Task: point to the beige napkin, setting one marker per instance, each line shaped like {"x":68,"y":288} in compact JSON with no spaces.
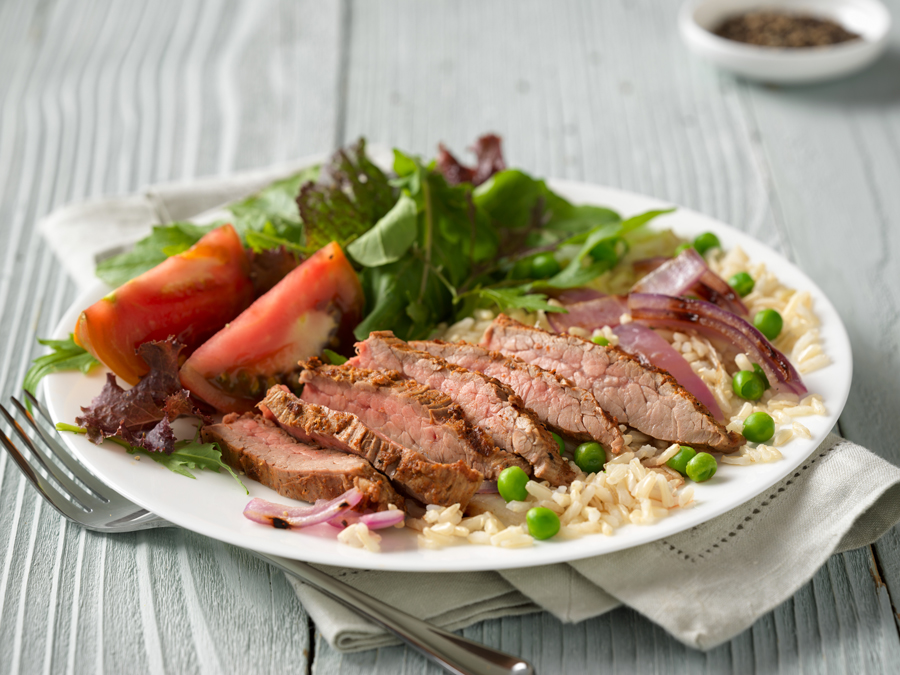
{"x":704,"y":585}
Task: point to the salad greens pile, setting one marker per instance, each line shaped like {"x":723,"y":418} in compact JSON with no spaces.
{"x":427,"y":252}
{"x":428,"y":245}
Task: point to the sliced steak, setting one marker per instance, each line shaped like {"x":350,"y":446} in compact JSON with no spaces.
{"x":267,"y":454}
{"x":565,"y":408}
{"x":409,"y":470}
{"x":408,"y":413}
{"x":644,"y":397}
{"x":488,"y":403}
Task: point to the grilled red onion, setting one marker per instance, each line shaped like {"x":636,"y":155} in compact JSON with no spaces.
{"x":374,"y":521}
{"x":569,"y":296}
{"x":726,"y":329}
{"x":645,"y":343}
{"x":590,"y":314}
{"x":286,"y":517}
{"x":686,"y":274}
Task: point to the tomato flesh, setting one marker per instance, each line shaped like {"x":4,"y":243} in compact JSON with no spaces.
{"x":315,"y":306}
{"x":190,"y":295}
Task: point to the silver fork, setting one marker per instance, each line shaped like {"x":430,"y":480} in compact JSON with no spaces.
{"x":84,"y":499}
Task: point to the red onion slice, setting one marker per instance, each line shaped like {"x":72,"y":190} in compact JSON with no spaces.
{"x":727,"y":329}
{"x":569,"y":296}
{"x":590,"y":314}
{"x":382,"y":519}
{"x":644,"y":342}
{"x":374,"y":521}
{"x":686,"y":274}
{"x":286,"y":517}
{"x":675,"y":277}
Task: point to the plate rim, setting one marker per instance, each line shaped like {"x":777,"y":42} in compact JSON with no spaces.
{"x":544,"y":552}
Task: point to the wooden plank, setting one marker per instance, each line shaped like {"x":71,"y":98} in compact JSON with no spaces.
{"x":101,"y":98}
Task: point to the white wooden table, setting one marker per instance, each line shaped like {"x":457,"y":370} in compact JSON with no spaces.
{"x":104,"y":97}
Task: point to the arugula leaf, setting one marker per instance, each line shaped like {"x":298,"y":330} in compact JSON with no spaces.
{"x":583,"y":268}
{"x":390,"y":238}
{"x":274,"y":209}
{"x":351,"y":195}
{"x":164,"y":241}
{"x":188,"y":454}
{"x":66,"y":356}
{"x":334,"y":358}
{"x":515,"y":297}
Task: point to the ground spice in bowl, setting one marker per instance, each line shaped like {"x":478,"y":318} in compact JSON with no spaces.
{"x":781,"y":29}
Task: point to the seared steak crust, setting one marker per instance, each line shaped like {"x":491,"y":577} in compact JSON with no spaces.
{"x":565,"y":408}
{"x":644,"y":397}
{"x":410,"y":471}
{"x":267,"y":454}
{"x":408,"y":413}
{"x":487,"y":402}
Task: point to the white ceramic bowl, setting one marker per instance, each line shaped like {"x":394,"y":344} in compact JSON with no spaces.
{"x":869,"y":18}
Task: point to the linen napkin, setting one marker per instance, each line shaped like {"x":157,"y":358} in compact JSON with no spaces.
{"x":704,"y":585}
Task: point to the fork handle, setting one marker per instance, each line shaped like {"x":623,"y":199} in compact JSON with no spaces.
{"x":455,"y":653}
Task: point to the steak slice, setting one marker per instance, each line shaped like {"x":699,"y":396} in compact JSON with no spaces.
{"x":489,"y":404}
{"x":565,"y":408}
{"x":408,"y":413}
{"x":413,"y":474}
{"x":267,"y":454}
{"x":644,"y":397}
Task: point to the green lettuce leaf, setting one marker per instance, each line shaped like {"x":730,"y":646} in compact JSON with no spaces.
{"x":164,"y":241}
{"x":351,"y":195}
{"x":391,"y":237}
{"x":66,"y":355}
{"x":274,"y":209}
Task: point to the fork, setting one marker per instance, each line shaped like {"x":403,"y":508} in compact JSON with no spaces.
{"x":86,"y":500}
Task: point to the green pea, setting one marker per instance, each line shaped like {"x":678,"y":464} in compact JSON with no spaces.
{"x":769,"y":323}
{"x":600,"y":340}
{"x":511,"y":484}
{"x":559,"y":442}
{"x":590,"y":457}
{"x":521,"y":270}
{"x":681,"y":458}
{"x":748,"y":385}
{"x":706,"y":241}
{"x":542,"y":522}
{"x":605,"y":251}
{"x":683,"y":247}
{"x":610,"y":250}
{"x":702,"y":467}
{"x":759,"y":427}
{"x":762,"y":374}
{"x":544,"y":266}
{"x":742,"y":283}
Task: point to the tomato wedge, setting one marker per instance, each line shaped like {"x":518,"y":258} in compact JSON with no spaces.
{"x":190,"y":295}
{"x":315,"y":306}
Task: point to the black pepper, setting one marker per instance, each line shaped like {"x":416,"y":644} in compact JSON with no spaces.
{"x":780,"y":29}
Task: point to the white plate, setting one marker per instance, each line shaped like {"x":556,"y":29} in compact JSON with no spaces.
{"x":212,"y":504}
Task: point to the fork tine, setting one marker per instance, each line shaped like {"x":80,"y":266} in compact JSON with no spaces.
{"x":84,"y":476}
{"x":74,"y":490}
{"x":50,"y":493}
